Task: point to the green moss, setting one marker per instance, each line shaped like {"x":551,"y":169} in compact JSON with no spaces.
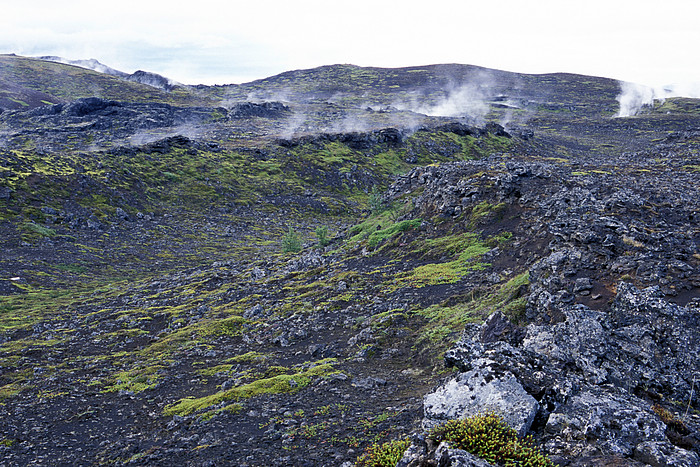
{"x":136,"y":380}
{"x":10,"y":390}
{"x":20,"y":345}
{"x":467,"y":246}
{"x":39,"y":230}
{"x":231,"y":327}
{"x":230,"y":408}
{"x":211,"y":371}
{"x":20,"y":102}
{"x":7,"y":442}
{"x":445,"y":321}
{"x":286,"y":383}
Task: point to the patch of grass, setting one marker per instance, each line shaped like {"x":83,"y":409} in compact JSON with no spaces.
{"x":271,"y":385}
{"x":74,"y":268}
{"x":483,"y":211}
{"x":211,"y":371}
{"x":469,"y":248}
{"x":499,"y":239}
{"x":374,"y":233}
{"x":375,"y":238}
{"x":9,"y":390}
{"x":446,"y":321}
{"x":38,"y":230}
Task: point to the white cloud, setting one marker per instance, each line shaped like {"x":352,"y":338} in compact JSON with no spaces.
{"x":207,"y":41}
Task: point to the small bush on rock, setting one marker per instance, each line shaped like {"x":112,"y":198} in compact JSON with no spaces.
{"x":490,"y":438}
{"x":383,"y":455}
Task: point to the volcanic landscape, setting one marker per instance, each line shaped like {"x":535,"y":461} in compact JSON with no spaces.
{"x":318,"y":267}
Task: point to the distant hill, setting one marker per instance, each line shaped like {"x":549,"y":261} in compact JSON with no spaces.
{"x":90,"y":64}
{"x":26,"y":83}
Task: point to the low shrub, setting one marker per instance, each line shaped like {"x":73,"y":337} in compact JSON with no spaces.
{"x":489,"y":437}
{"x":383,"y":455}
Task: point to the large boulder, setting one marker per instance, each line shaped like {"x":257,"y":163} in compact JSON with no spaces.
{"x":616,"y":422}
{"x":481,"y":390}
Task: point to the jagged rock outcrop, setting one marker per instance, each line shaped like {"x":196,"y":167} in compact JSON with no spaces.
{"x":355,"y":140}
{"x":423,"y":452}
{"x":104,"y":118}
{"x":263,"y":109}
{"x":595,"y":376}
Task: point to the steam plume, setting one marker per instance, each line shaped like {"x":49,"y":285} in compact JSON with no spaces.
{"x":633,"y":97}
{"x":465,"y":101}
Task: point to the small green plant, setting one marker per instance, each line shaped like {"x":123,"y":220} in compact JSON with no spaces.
{"x":291,"y":243}
{"x":489,"y":437}
{"x":322,"y":235}
{"x":375,"y":201}
{"x":7,"y":442}
{"x":383,"y":455}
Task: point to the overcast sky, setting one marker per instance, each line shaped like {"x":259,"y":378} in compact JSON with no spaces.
{"x":234,"y":41}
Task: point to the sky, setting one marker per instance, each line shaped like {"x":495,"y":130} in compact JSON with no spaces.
{"x":213,"y":42}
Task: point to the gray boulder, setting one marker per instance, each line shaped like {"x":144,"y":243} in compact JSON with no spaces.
{"x":663,"y":454}
{"x":477,"y":392}
{"x":449,"y":457}
{"x":615,"y":421}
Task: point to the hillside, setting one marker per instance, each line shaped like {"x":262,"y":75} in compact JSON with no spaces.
{"x":293,"y":270}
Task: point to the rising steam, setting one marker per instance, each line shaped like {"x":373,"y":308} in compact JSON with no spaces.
{"x":634,"y":97}
{"x":467,"y":101}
